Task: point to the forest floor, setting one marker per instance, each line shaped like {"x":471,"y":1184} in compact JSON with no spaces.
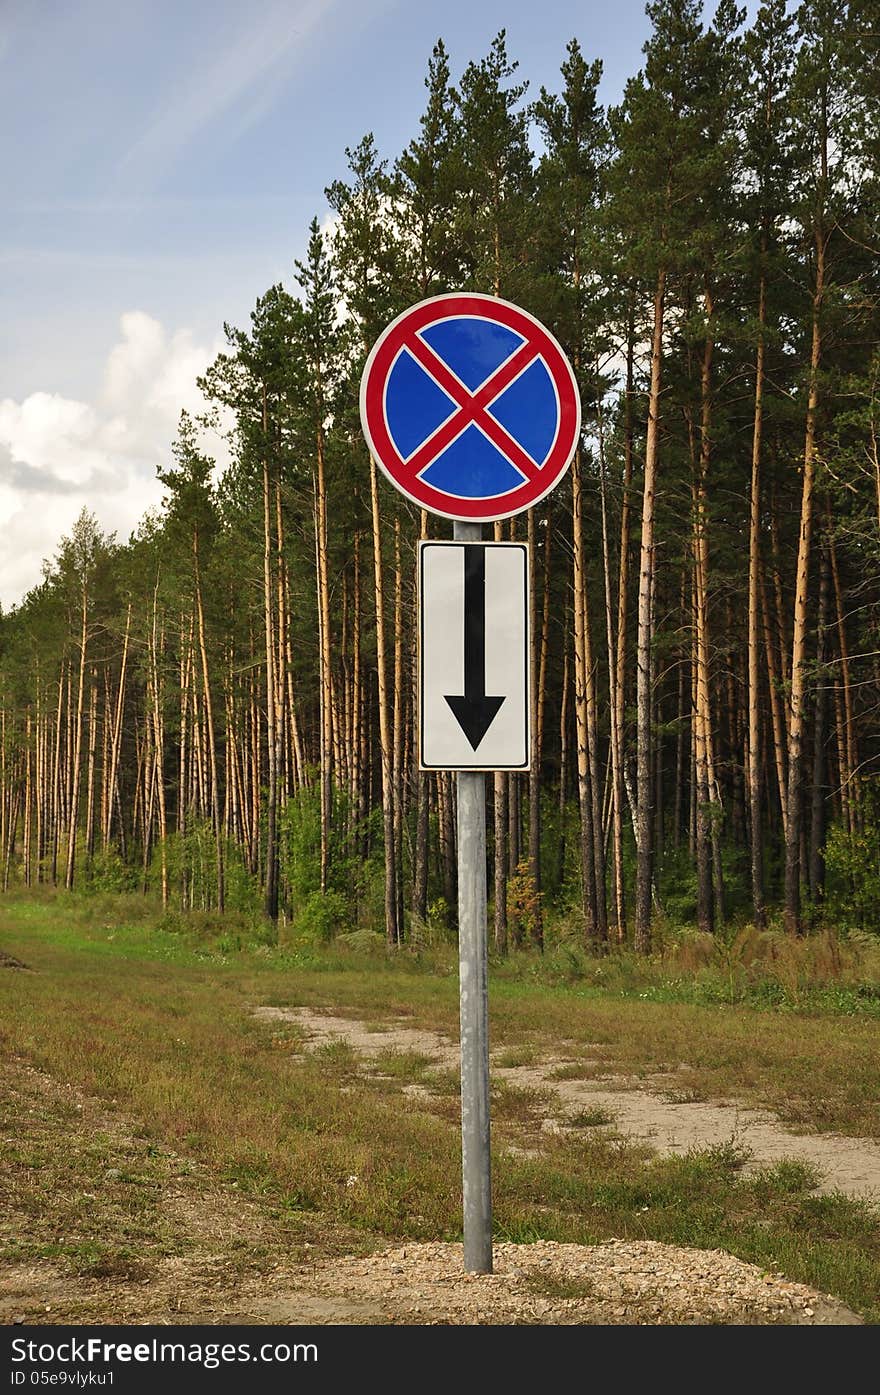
{"x":190,"y":1140}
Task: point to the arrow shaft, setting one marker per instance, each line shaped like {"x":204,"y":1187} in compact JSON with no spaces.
{"x":474,"y":620}
{"x":475,"y":710}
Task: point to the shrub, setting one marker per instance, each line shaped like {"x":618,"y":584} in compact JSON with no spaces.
{"x":321,"y":916}
{"x":852,"y":863}
{"x":348,"y":872}
{"x":105,"y":871}
{"x":524,"y":904}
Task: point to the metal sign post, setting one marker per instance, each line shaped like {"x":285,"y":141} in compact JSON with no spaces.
{"x":472,"y":410}
{"x":473,"y":975}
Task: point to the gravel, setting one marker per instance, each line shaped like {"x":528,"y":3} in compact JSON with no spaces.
{"x":619,"y":1282}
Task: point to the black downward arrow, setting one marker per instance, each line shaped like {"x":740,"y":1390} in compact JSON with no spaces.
{"x":475,"y":711}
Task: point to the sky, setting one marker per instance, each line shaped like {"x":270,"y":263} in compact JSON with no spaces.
{"x":161,"y":161}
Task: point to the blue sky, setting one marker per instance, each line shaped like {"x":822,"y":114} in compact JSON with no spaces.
{"x":161,"y":163}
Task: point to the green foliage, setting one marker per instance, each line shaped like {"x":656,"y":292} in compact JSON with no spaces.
{"x":852,"y":864}
{"x":494,"y":210}
{"x":321,"y":916}
{"x":524,"y":902}
{"x":106,"y":871}
{"x":300,"y":824}
{"x":439,"y":916}
{"x":192,"y":863}
{"x":428,"y":173}
{"x":679,"y":887}
{"x":242,"y":889}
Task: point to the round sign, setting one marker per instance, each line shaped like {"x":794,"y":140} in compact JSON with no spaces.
{"x":470,"y":407}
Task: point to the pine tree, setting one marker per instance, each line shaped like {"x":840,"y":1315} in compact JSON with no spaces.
{"x":569,"y":183}
{"x":826,"y":133}
{"x":367,"y":261}
{"x":654,"y":181}
{"x":317,"y":350}
{"x":768,"y":61}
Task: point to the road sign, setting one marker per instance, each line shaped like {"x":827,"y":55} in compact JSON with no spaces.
{"x":474,"y":671}
{"x":470,"y":407}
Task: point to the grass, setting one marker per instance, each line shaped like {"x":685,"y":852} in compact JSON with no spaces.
{"x":575,"y":1070}
{"x":401,"y":1065}
{"x":158,"y":1028}
{"x":590,"y":1119}
{"x":515,"y":1056}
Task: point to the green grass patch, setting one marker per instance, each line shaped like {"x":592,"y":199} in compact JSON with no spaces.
{"x":407,"y":1066}
{"x":590,"y":1119}
{"x":514,"y":1056}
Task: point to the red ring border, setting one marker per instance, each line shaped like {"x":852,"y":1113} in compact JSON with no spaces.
{"x":375,"y":376}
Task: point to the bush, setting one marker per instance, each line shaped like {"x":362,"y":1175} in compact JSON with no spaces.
{"x":105,"y":871}
{"x":321,"y":916}
{"x":852,"y":864}
{"x":524,"y":904}
{"x":191,"y":859}
{"x":300,"y":850}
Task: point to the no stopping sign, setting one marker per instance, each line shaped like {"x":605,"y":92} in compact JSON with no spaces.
{"x":470,"y":407}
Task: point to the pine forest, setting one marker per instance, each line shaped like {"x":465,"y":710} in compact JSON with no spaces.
{"x":220,"y":711}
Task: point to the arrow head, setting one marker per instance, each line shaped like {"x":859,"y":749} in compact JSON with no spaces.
{"x":475,"y":715}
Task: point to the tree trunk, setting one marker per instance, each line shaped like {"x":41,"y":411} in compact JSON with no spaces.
{"x":644,"y":815}
{"x":156,"y":694}
{"x":501,"y":788}
{"x":28,"y":801}
{"x":615,"y":725}
{"x":820,"y":726}
{"x":563,"y":760}
{"x":759,"y":912}
{"x":797,"y":705}
{"x":581,"y":708}
{"x":90,"y":766}
{"x":116,"y":740}
{"x":77,"y":746}
{"x":448,"y":857}
{"x":776,"y":713}
{"x":216,"y":816}
{"x":358,"y":792}
{"x":397,"y":764}
{"x":270,"y":902}
{"x":420,"y":780}
{"x":848,"y":788}
{"x":324,"y":650}
{"x":538,"y":660}
{"x":392,"y":927}
{"x":623,"y":589}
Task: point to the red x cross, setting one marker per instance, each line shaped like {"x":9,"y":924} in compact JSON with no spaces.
{"x":472,"y":407}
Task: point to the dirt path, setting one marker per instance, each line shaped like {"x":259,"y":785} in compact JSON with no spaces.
{"x":848,"y":1165}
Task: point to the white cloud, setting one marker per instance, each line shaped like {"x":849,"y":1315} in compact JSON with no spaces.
{"x":58,"y":455}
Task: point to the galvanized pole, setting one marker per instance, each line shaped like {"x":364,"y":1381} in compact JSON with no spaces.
{"x":474,"y":1004}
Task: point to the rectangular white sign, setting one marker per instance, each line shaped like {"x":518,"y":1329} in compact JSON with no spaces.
{"x":474,"y":656}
